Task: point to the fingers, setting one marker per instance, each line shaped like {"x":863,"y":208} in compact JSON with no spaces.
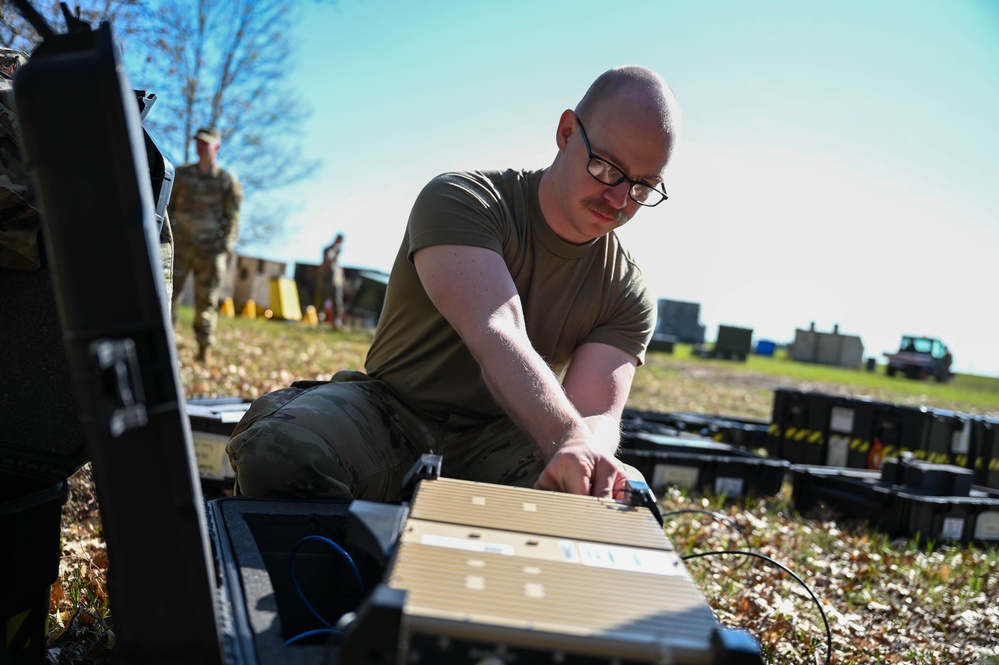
{"x":593,"y":475}
{"x":604,"y":478}
{"x":546,"y":482}
{"x":558,"y":476}
{"x":564,"y":473}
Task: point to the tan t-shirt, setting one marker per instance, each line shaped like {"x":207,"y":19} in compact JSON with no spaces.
{"x":571,"y":294}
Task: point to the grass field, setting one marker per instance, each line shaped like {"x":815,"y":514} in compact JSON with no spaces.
{"x":901,"y":601}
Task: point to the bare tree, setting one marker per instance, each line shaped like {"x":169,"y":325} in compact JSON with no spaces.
{"x":16,"y":33}
{"x":219,"y":63}
{"x":225,"y":64}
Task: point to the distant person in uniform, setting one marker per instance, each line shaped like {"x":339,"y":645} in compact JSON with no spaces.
{"x":512,"y":325}
{"x":204,"y":213}
{"x":329,"y":291}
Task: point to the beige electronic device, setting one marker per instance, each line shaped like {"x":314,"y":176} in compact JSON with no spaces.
{"x":491,"y":575}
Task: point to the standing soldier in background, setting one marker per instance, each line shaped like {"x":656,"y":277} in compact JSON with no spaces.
{"x":331,"y":283}
{"x":204,"y":212}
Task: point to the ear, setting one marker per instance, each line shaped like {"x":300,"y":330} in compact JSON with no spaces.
{"x":566,"y":126}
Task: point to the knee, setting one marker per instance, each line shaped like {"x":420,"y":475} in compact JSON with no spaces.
{"x":274,"y":458}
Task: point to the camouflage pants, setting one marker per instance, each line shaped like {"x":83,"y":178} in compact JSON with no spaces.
{"x":209,"y":269}
{"x":353,"y":438}
{"x":332,"y":291}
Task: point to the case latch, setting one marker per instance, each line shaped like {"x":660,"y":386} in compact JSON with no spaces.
{"x":117,"y":368}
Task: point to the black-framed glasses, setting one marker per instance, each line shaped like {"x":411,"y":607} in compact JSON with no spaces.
{"x":606,"y":173}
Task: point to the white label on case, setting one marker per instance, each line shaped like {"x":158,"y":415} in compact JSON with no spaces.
{"x":841,"y":420}
{"x":987,"y":526}
{"x":467,"y":545}
{"x":960,"y":441}
{"x":681,"y":476}
{"x":839,"y":448}
{"x":728,"y":486}
{"x":209,"y":450}
{"x":953,"y":528}
{"x":628,"y":558}
{"x":568,"y":551}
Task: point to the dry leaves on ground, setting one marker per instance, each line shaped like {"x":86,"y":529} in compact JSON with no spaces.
{"x":886,"y":602}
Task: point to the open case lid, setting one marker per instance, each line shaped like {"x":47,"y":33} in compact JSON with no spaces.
{"x":81,"y":132}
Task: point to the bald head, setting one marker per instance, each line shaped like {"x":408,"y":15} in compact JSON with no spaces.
{"x":624,"y":129}
{"x":638,"y":88}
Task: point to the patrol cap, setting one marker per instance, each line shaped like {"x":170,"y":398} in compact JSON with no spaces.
{"x":208,"y":135}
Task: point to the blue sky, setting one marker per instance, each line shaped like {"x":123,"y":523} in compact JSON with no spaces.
{"x":839,"y":161}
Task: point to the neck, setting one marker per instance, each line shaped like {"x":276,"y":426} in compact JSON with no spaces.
{"x":547,"y":199}
{"x":206,"y":165}
{"x":551,"y":209}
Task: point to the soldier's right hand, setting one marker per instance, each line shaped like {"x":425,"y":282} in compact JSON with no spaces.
{"x":579,"y":468}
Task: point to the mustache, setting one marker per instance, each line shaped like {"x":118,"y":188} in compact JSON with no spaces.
{"x":600,"y":206}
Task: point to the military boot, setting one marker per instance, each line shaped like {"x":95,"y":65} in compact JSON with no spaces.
{"x":204,"y":353}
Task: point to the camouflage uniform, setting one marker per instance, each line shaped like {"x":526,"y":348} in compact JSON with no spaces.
{"x":204,"y":212}
{"x":285,"y":445}
{"x":287,"y":451}
{"x":19,"y":221}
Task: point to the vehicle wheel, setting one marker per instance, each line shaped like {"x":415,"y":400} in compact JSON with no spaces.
{"x":890,"y":371}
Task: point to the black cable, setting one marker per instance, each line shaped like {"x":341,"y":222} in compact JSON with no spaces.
{"x":789,"y":572}
{"x":718,"y":516}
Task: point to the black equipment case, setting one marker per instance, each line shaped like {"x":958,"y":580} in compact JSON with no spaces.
{"x":237,"y":581}
{"x":213,"y":420}
{"x":682,"y":450}
{"x":907,"y":497}
{"x":102,"y":187}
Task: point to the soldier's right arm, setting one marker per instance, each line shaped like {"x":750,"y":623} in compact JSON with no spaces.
{"x":472,"y":288}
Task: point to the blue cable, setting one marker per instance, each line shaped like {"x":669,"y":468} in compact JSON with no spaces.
{"x":329,"y":629}
{"x":313,"y":633}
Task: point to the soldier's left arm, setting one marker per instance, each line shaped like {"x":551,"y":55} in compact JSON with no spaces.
{"x":597,"y":383}
{"x":233,"y":203}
